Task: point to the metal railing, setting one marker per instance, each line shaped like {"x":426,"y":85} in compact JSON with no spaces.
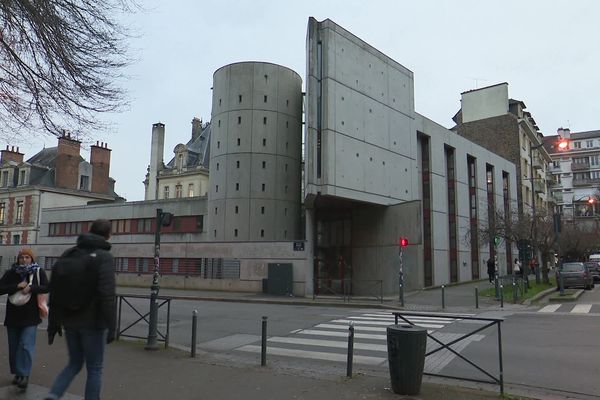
{"x":515,"y":284}
{"x":122,"y":299}
{"x":345,"y":289}
{"x":489,"y":322}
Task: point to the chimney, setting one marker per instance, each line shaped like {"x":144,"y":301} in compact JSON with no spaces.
{"x":100,"y":160}
{"x":11,"y":154}
{"x":67,"y":162}
{"x":566,"y":133}
{"x":156,"y":160}
{"x":196,"y":128}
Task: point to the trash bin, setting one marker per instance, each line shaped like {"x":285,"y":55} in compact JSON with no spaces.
{"x":406,"y":356}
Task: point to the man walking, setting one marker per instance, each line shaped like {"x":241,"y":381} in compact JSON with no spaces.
{"x":82,"y":300}
{"x":491,"y":269}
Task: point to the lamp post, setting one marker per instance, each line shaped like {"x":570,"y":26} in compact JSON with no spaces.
{"x":162,"y":219}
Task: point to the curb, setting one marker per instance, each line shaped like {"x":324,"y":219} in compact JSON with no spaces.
{"x":538,"y":296}
{"x":572,"y":297}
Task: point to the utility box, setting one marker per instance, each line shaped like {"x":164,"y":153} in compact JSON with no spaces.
{"x":280,"y":279}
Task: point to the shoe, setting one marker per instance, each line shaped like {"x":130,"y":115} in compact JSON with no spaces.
{"x":16,"y":380}
{"x":23,"y":383}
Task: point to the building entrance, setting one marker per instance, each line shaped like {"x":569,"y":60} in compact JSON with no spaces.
{"x":333,"y":254}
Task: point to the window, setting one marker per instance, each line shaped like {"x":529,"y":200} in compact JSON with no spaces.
{"x":264,"y":142}
{"x":240,"y":98}
{"x":237,"y":186}
{"x":22,"y":177}
{"x":239,"y":141}
{"x":2,"y":213}
{"x":237,"y":164}
{"x":262,"y":210}
{"x":235,"y":232}
{"x":577,"y":145}
{"x":285,"y":189}
{"x":219,"y":123}
{"x":589,"y":143}
{"x":216,"y":210}
{"x":285,"y":211}
{"x":236,"y":209}
{"x":263,"y":187}
{"x":218,"y":144}
{"x":19,"y":216}
{"x":219,"y":104}
{"x":200,"y":223}
{"x":166,"y":192}
{"x":178,"y":191}
{"x":286,"y":167}
{"x":4,"y":178}
{"x":191,"y":190}
{"x":144,"y":225}
{"x":264,"y":164}
{"x":265,"y":98}
{"x":179,"y":161}
{"x":264,"y":120}
{"x":84,"y":182}
{"x":262,"y":233}
{"x":216,"y":188}
{"x":287,"y":103}
{"x":53,"y":229}
{"x":217,"y":166}
{"x":239,"y":120}
{"x":287,"y":124}
{"x":16,"y":239}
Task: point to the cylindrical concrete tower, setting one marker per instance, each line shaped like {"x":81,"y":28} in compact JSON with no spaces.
{"x":255,"y":153}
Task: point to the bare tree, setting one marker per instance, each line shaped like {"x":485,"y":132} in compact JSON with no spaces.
{"x":60,"y":63}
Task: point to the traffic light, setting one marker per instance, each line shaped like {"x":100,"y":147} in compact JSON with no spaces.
{"x":403,"y":242}
{"x":591,"y":200}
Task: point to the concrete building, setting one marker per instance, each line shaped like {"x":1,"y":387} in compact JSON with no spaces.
{"x":256,"y":153}
{"x":56,"y":176}
{"x":374,"y":171}
{"x":576,"y":173}
{"x":186,"y":174}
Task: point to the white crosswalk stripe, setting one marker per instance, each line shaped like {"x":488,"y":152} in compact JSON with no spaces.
{"x":566,"y":308}
{"x":329,"y":341}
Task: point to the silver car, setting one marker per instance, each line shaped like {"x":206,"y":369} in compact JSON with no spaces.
{"x":575,"y":274}
{"x":594,"y":267}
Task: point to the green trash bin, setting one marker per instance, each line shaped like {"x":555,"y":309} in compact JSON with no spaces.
{"x":406,"y":356}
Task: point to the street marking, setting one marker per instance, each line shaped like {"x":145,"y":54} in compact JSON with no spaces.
{"x":581,"y":308}
{"x":409,"y":317}
{"x":550,"y":308}
{"x":328,"y":343}
{"x":316,"y":355}
{"x":384,"y":323}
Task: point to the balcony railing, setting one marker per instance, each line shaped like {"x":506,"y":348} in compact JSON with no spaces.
{"x":539,"y":186}
{"x":579,"y":166}
{"x":538,"y":162}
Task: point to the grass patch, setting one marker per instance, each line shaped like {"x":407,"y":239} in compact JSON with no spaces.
{"x":521,"y":295}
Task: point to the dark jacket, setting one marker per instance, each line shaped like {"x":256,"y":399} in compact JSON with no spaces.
{"x":491,"y":267}
{"x":28,"y":314}
{"x":101,"y":312}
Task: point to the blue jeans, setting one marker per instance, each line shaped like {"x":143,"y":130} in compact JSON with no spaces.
{"x":84,"y":345}
{"x":21,"y":348}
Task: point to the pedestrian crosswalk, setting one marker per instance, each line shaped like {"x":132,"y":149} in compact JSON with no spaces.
{"x":571,"y":308}
{"x":328,"y":341}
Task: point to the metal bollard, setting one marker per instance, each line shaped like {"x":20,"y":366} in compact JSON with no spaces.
{"x":443,"y":297}
{"x":476,"y":297}
{"x":497,"y":287}
{"x":501,"y":296}
{"x":263,"y":350}
{"x":194,"y":331}
{"x":350,"y":350}
{"x":514,"y":292}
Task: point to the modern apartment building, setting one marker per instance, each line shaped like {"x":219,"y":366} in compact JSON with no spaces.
{"x":576,"y":172}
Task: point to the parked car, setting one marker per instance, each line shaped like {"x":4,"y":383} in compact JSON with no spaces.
{"x":594,"y":267}
{"x":574,"y":274}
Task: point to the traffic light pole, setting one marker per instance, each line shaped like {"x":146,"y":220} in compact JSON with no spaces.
{"x":152,"y":341}
{"x":401,"y":278}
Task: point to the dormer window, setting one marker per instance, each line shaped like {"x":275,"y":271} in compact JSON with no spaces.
{"x":22,"y":177}
{"x":181,"y":154}
{"x":4,"y":179}
{"x":84,"y":182}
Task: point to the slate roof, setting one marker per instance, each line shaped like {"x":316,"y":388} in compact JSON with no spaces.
{"x":198,"y":150}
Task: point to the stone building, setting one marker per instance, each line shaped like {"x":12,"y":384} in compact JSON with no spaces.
{"x":56,"y":176}
{"x":186,"y":174}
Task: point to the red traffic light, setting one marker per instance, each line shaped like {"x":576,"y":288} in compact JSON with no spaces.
{"x":403,"y":242}
{"x":591,"y":200}
{"x":563,"y":144}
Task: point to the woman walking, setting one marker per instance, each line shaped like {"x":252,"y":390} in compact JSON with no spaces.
{"x":22,"y":282}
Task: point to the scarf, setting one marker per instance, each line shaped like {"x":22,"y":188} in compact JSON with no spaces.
{"x":24,"y":270}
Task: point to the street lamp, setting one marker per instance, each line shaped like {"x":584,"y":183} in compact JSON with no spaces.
{"x":162,"y":219}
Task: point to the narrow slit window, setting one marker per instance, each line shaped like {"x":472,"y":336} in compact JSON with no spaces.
{"x":265,"y":98}
{"x":237,"y":164}
{"x":237,"y":186}
{"x":262,"y":233}
{"x":264,"y":164}
{"x":262,"y":210}
{"x":264,"y":120}
{"x":264,"y":142}
{"x":239,"y":120}
{"x":263,"y":187}
{"x":240,"y":98}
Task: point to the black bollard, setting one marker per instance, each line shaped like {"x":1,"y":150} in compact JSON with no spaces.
{"x":476,"y":297}
{"x":194,"y":331}
{"x":501,"y":296}
{"x":443,"y":297}
{"x":263,"y":350}
{"x":350,"y":350}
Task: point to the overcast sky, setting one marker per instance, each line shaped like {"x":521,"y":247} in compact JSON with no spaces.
{"x":547,"y":51}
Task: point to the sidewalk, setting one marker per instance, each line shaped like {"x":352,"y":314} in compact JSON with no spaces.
{"x":458,"y":298}
{"x":133,"y":373}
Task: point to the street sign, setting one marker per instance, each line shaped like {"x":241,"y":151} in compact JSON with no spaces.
{"x":298,"y":246}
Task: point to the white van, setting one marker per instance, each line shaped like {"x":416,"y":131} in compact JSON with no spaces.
{"x":594,"y":257}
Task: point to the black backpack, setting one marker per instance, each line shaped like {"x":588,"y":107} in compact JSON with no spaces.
{"x":73,"y":280}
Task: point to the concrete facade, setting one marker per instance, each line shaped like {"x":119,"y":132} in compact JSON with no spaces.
{"x":255,"y":153}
